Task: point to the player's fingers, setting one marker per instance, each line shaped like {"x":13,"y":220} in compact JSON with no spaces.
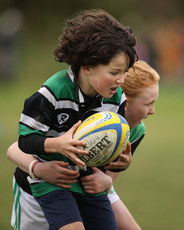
{"x":61,"y":163}
{"x":73,"y":151}
{"x":78,"y":143}
{"x":75,"y":159}
{"x":115,"y":165}
{"x":61,"y":176}
{"x":66,"y":181}
{"x":68,"y":172}
{"x":88,"y":189}
{"x":125,"y":157}
{"x":127,"y":149}
{"x":92,"y":189}
{"x":122,"y":158}
{"x":111,"y":167}
{"x":63,"y":185}
{"x":79,"y":147}
{"x":95,"y":169}
{"x":74,"y":127}
{"x":87,"y":178}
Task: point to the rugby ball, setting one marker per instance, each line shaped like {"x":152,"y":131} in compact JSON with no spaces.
{"x":106,"y":134}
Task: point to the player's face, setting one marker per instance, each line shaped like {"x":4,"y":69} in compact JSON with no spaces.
{"x":142,"y":106}
{"x":105,"y":79}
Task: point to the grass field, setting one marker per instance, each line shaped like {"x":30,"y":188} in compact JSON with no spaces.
{"x":151,"y":188}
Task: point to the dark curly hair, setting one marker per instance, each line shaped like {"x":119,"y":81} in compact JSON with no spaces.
{"x":93,"y":38}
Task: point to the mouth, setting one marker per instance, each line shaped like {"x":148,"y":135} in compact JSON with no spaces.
{"x":113,"y":90}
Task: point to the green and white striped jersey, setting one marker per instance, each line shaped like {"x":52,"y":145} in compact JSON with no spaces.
{"x":54,"y":109}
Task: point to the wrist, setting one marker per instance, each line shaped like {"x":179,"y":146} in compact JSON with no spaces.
{"x":38,"y":169}
{"x":110,"y":185}
{"x":31,"y":168}
{"x":50,"y":145}
{"x":109,"y":189}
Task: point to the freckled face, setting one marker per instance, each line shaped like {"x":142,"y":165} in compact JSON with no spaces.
{"x":142,"y":106}
{"x":105,"y":79}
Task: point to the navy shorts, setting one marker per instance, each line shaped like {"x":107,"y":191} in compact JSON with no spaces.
{"x":63,"y":207}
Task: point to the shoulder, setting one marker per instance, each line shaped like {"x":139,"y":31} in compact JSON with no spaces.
{"x":137,"y":132}
{"x":60,"y":84}
{"x":58,"y":80}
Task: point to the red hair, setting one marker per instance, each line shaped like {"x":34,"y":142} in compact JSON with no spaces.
{"x":141,"y":75}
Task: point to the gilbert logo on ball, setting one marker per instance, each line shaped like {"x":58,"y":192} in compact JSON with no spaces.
{"x":106,"y":135}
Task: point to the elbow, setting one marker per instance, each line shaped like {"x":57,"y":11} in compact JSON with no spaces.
{"x":8,"y":152}
{"x":11,"y":150}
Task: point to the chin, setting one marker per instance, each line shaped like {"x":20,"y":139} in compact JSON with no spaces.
{"x":133,"y":125}
{"x":108,"y":96}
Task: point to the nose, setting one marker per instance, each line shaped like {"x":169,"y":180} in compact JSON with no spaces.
{"x":121,"y":79}
{"x":152,"y":110}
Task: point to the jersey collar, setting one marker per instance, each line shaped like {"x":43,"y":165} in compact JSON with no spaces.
{"x":79,"y":94}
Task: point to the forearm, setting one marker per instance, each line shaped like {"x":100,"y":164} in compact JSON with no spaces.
{"x":32,"y":144}
{"x":113,"y":175}
{"x":19,"y":158}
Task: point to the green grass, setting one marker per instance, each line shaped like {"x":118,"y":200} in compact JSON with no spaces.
{"x":151,"y":188}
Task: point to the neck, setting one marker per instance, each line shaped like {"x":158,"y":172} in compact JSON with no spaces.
{"x":83,"y":80}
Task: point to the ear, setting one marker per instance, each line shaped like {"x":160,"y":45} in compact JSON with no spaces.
{"x":85,"y":69}
{"x":126,"y":104}
{"x":126,"y":107}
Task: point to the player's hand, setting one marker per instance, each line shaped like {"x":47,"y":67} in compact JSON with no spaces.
{"x":124,"y":160}
{"x":97,"y":182}
{"x":66,"y":145}
{"x":55,"y":172}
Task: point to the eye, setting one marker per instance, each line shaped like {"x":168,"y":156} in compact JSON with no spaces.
{"x":114,"y":73}
{"x":149,"y":104}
